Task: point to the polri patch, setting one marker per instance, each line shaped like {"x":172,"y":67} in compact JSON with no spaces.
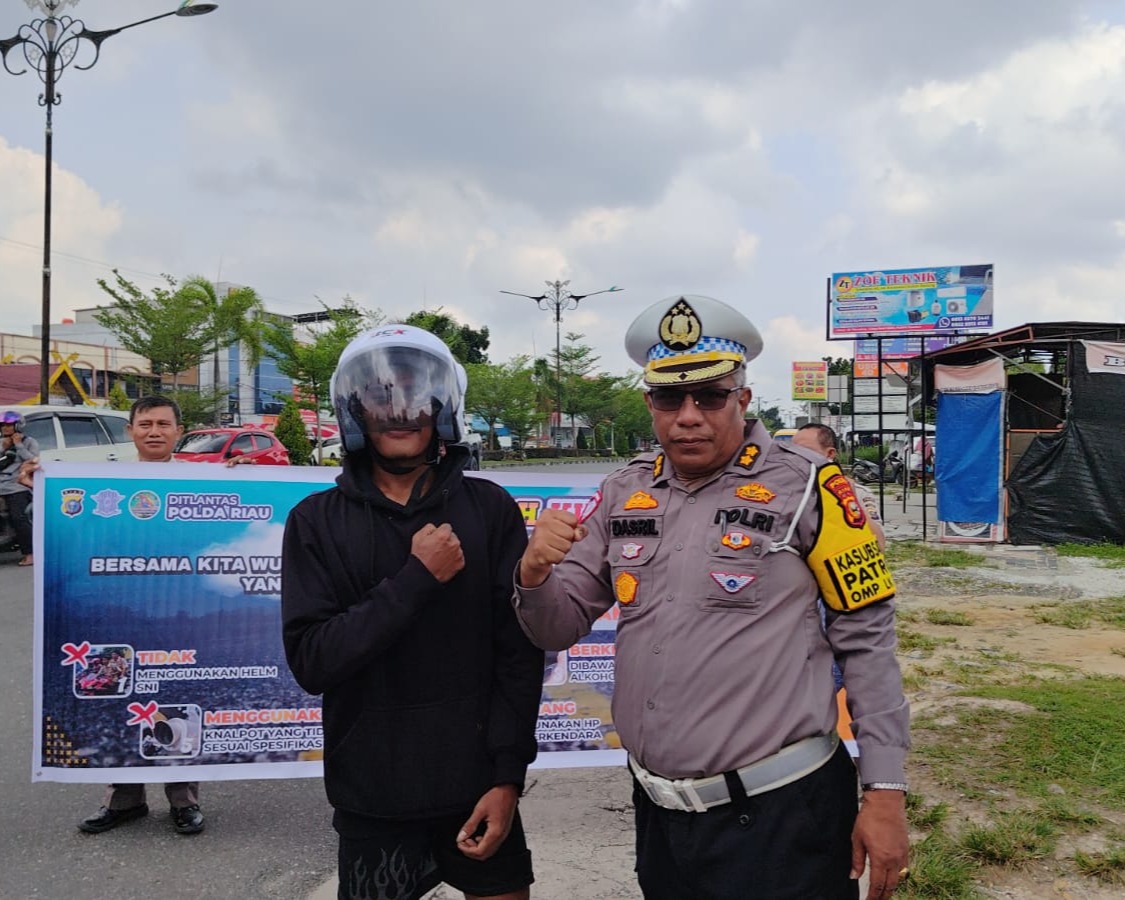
{"x":625,"y":588}
{"x":839,"y":487}
{"x":732,"y":584}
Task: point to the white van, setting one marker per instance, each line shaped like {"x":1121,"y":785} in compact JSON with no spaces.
{"x":77,"y":433}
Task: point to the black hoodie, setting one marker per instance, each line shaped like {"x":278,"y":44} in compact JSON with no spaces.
{"x":431,"y":691}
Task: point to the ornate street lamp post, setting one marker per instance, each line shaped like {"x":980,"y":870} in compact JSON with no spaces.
{"x":49,"y":45}
{"x":557,"y":299}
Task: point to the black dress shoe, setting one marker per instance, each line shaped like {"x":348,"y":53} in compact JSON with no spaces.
{"x":105,"y":818}
{"x":187,"y":819}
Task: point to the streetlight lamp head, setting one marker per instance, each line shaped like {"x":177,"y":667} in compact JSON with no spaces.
{"x":187,"y":8}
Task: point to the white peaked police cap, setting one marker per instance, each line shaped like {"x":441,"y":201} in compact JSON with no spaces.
{"x":690,"y":338}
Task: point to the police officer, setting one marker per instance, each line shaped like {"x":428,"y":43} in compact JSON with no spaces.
{"x":715,"y":549}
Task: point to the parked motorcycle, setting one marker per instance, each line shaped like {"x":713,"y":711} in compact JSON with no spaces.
{"x":866,"y":471}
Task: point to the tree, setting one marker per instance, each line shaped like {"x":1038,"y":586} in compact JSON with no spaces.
{"x":574,"y":362}
{"x":634,"y":421}
{"x":309,"y":360}
{"x":234,"y":318}
{"x":290,"y":430}
{"x":504,"y":393}
{"x":169,"y":332}
{"x":118,"y":397}
{"x":468,"y":345}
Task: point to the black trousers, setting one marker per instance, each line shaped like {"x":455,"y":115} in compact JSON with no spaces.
{"x":793,"y":843}
{"x":19,"y":511}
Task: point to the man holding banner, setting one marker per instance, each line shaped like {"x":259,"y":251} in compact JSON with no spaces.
{"x":155,"y":425}
{"x":715,"y":550}
{"x":396,"y":588}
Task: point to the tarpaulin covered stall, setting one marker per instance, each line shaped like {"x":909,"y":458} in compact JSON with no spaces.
{"x":1063,"y":452}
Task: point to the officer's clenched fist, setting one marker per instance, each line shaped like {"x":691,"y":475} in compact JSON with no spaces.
{"x":555,"y":532}
{"x":439,"y":550}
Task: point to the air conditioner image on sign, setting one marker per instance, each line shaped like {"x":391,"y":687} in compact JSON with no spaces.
{"x":956,"y":306}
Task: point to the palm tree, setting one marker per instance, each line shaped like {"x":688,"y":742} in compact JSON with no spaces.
{"x":234,"y":318}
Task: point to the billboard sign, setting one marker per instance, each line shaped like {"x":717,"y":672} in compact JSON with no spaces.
{"x":944,"y":299}
{"x":810,"y":380}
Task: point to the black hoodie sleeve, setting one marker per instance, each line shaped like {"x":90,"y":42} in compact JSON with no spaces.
{"x":327,"y":640}
{"x":518,"y":673}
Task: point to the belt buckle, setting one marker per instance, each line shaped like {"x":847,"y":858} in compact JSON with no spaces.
{"x":660,"y":791}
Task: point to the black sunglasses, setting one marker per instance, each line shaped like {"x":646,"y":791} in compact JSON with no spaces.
{"x":709,"y":399}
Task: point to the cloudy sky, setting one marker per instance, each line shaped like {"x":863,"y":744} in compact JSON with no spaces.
{"x":432,"y":153}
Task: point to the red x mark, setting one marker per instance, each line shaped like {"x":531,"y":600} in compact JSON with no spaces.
{"x":142,"y":714}
{"x":75,"y":655}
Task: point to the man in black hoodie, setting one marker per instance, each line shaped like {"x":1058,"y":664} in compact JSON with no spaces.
{"x":395,"y":605}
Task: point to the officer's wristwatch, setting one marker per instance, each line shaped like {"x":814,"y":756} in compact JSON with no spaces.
{"x":886,"y":786}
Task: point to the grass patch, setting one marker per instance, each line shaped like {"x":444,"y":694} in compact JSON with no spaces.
{"x":1078,"y":614}
{"x":1061,"y":813}
{"x":1013,"y":840}
{"x":947,"y":617}
{"x":940,"y":868}
{"x":910,"y":641}
{"x":917,"y":553}
{"x":922,"y":817}
{"x":1108,"y":868}
{"x":1113,"y":555}
{"x":1075,"y":741}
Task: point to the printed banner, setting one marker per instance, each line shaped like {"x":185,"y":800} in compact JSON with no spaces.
{"x":1105,"y":357}
{"x":158,"y":628}
{"x":910,"y":301}
{"x":981,"y":378}
{"x":810,"y":380}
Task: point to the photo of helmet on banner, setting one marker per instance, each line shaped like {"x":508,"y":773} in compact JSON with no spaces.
{"x":394,"y":378}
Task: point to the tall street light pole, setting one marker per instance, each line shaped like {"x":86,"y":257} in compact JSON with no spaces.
{"x":49,"y":45}
{"x":557,"y":299}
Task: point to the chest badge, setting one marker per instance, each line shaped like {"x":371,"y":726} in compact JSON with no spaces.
{"x":737,"y":540}
{"x":641,"y":500}
{"x":754,"y":492}
{"x":732,"y":584}
{"x":625,"y":588}
{"x":631,"y":551}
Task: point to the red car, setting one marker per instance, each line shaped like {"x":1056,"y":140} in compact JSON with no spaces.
{"x":221,"y":444}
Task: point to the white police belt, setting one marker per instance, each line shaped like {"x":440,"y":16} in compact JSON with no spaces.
{"x":789,"y":764}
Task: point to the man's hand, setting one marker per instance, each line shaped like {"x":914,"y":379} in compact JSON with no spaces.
{"x":27,"y":471}
{"x":439,"y":550}
{"x":240,"y":460}
{"x":556,"y":531}
{"x":488,"y":826}
{"x":880,"y":835}
{"x":17,"y":437}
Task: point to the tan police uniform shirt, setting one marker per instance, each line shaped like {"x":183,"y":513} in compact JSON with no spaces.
{"x":721,"y":659}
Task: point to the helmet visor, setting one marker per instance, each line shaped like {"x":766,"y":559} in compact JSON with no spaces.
{"x":394,"y":389}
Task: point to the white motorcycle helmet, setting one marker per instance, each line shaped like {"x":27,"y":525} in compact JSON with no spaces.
{"x":397,"y":376}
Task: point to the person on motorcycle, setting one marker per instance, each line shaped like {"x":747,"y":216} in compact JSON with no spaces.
{"x":17,"y":449}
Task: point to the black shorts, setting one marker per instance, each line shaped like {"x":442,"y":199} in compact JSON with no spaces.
{"x":793,"y":843}
{"x":403,"y":860}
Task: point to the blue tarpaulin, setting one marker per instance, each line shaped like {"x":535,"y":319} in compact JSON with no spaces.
{"x":968,"y":482}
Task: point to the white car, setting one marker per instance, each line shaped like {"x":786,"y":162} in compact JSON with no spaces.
{"x":77,"y":433}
